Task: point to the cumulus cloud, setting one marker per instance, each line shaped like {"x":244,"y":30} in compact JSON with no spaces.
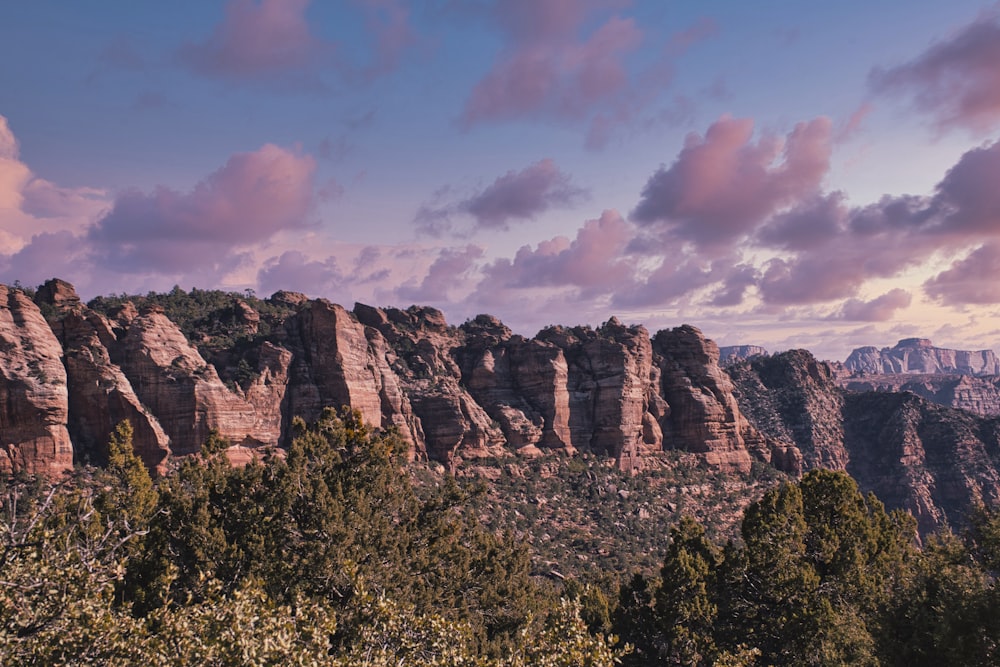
{"x":292,"y":270}
{"x":957,"y":81}
{"x":880,"y":309}
{"x":975,"y":279}
{"x":967,"y":201}
{"x":451,"y":269}
{"x":567,"y":60}
{"x":592,"y":261}
{"x":251,"y":198}
{"x":30,"y":205}
{"x":257,"y":41}
{"x":272,"y":41}
{"x":516,"y":196}
{"x":722,"y":185}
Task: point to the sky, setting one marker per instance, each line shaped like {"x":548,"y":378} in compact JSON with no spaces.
{"x":780,"y":173}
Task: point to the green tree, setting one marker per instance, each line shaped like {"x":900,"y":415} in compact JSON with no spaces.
{"x":686,"y":606}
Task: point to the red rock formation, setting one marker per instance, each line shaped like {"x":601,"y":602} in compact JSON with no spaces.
{"x":185,"y":393}
{"x":34,"y":402}
{"x":704,"y":416}
{"x":100,"y":395}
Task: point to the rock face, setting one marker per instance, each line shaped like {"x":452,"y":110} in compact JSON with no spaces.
{"x":452,"y":393}
{"x":931,"y":460}
{"x":71,"y":372}
{"x":918,"y":355}
{"x":100,"y":395}
{"x":34,"y":401}
{"x":704,"y":416}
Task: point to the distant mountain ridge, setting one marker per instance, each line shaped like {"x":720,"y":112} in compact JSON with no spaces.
{"x":730,"y":354}
{"x":918,"y":355}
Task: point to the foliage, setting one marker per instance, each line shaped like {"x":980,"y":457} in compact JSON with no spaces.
{"x":329,"y":555}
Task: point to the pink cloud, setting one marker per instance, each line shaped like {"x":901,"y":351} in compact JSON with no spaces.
{"x":547,"y":69}
{"x":257,"y":40}
{"x":452,"y":268}
{"x":292,"y":270}
{"x":30,"y":205}
{"x":515,"y":196}
{"x":968,"y":199}
{"x":957,"y":81}
{"x":880,"y":309}
{"x":722,"y":185}
{"x":251,"y":198}
{"x":975,"y":279}
{"x":593,"y":260}
{"x":522,"y":195}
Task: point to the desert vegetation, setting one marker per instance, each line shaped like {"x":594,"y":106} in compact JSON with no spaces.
{"x":336,"y":554}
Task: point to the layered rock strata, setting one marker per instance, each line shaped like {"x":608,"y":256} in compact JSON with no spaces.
{"x":34,"y":401}
{"x":451,"y":393}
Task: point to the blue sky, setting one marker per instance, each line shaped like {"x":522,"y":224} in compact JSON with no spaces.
{"x":789,"y":174}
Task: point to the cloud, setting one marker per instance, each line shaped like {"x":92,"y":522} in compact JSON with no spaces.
{"x":254,"y":41}
{"x":879,"y":309}
{"x":452,"y":268}
{"x":956,"y":81}
{"x":292,"y":270}
{"x":568,"y":61}
{"x":967,"y":200}
{"x":30,"y":205}
{"x":515,"y":196}
{"x":251,"y":198}
{"x":974,"y":279}
{"x":34,"y":262}
{"x":271,"y":41}
{"x":722,"y":185}
{"x":593,"y":261}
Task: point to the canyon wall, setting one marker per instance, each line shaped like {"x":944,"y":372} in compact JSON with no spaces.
{"x":452,"y":393}
{"x":455,"y":393}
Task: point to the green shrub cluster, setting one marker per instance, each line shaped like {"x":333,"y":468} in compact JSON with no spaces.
{"x":823,"y":576}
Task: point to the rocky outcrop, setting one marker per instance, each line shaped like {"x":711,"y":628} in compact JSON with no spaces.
{"x":100,"y":396}
{"x":34,"y":401}
{"x":704,"y":416}
{"x":172,"y":379}
{"x":933,"y":461}
{"x":452,"y":424}
{"x":793,"y":399}
{"x":610,"y":385}
{"x":451,"y":392}
{"x":918,"y":355}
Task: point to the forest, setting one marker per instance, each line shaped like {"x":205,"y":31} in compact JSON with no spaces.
{"x":330,"y":554}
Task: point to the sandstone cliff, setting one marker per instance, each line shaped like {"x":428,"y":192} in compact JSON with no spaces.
{"x":181,"y":365}
{"x":34,"y":402}
{"x":452,"y":393}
